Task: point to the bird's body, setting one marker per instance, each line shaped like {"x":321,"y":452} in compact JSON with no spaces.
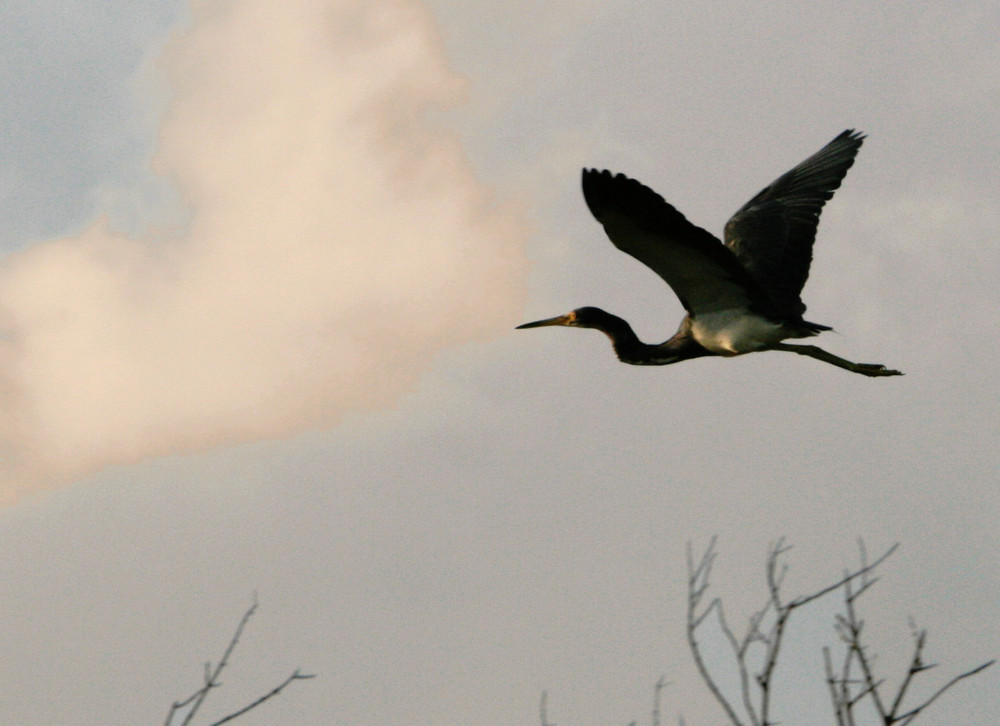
{"x":736,"y":331}
{"x":742,"y":296}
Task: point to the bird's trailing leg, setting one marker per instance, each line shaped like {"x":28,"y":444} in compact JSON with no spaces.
{"x":865,"y":369}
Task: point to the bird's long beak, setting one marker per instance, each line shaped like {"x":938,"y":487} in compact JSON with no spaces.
{"x":560,"y":320}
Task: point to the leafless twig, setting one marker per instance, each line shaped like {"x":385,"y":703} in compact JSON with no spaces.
{"x":296,"y":676}
{"x":211,"y":680}
{"x":658,"y":698}
{"x":543,"y":705}
{"x":756,"y":652}
{"x":543,"y":709}
{"x":755,"y":686}
{"x":697,"y":586}
{"x":847,"y":691}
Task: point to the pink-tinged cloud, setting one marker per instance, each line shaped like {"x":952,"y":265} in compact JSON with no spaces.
{"x":336,"y":241}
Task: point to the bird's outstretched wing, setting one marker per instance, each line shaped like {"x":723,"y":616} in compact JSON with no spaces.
{"x":773,"y":233}
{"x":704,"y":274}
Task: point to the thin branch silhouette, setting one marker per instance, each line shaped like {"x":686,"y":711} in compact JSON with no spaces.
{"x":196,"y":700}
{"x":854,"y":682}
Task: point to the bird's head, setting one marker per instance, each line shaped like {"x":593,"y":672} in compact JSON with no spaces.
{"x":628,"y":347}
{"x":579,"y":318}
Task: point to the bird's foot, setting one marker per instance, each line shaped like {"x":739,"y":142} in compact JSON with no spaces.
{"x":874,"y":369}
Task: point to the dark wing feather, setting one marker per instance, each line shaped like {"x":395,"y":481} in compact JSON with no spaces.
{"x":704,"y":274}
{"x":773,"y":233}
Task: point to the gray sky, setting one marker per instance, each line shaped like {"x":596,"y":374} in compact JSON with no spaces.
{"x":284,"y":363}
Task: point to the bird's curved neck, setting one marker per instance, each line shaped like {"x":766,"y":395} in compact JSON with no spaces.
{"x":624,"y":340}
{"x":630,"y":349}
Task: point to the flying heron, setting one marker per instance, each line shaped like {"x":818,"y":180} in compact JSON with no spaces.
{"x":742,"y":296}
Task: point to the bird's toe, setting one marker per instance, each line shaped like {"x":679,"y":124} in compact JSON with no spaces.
{"x":877,"y":369}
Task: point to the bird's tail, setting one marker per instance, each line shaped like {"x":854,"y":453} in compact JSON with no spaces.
{"x":811,"y":329}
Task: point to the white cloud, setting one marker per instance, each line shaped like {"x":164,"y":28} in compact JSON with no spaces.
{"x":337,"y":240}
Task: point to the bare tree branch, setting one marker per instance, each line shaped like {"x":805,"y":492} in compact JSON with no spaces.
{"x":847,"y":693}
{"x":854,"y":627}
{"x":211,"y":680}
{"x":212,"y":676}
{"x":657,"y":699}
{"x":296,"y":676}
{"x":543,"y":708}
{"x":697,"y":585}
{"x":831,"y":682}
{"x":850,"y":682}
{"x":912,"y":714}
{"x":863,"y":571}
{"x":755,"y":693}
{"x":739,"y":651}
{"x":916,"y":666}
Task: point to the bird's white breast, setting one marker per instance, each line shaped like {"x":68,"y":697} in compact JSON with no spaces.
{"x":735,"y":331}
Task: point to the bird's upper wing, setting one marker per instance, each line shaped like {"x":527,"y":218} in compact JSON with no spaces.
{"x":704,"y":274}
{"x":773,"y":233}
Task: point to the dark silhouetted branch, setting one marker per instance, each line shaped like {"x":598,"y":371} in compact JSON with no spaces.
{"x":211,"y":680}
{"x":658,"y":699}
{"x":766,"y":629}
{"x":756,"y":651}
{"x":296,"y":676}
{"x":848,"y":691}
{"x":543,"y":709}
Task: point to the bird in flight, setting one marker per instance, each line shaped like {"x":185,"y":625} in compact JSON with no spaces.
{"x":741,"y":296}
